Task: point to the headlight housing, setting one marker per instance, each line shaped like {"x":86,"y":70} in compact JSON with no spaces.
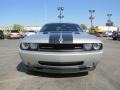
{"x":97,"y":46}
{"x":24,"y":46}
{"x":29,"y":46}
{"x":88,"y":46}
{"x":92,"y":46}
{"x":33,"y":46}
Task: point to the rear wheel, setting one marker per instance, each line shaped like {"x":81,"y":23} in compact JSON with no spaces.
{"x":114,"y":38}
{"x":2,"y":37}
{"x":8,"y":37}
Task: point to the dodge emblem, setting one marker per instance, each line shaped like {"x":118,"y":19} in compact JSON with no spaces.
{"x":61,"y":39}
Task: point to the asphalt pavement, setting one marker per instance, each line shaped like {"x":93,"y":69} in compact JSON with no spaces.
{"x":14,"y":75}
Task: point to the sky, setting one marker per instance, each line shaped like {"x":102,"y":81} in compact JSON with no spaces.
{"x":39,"y":12}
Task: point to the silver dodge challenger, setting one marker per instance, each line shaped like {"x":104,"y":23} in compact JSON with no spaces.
{"x":61,"y":48}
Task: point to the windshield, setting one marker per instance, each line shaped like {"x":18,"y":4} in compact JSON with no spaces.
{"x":61,"y":27}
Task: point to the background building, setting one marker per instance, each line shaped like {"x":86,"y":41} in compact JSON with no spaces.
{"x":34,"y":28}
{"x":108,"y":28}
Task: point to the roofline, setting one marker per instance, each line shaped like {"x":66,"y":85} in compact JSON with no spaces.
{"x":61,"y":23}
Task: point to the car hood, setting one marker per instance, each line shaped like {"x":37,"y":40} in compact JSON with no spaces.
{"x":29,"y":33}
{"x":61,"y":38}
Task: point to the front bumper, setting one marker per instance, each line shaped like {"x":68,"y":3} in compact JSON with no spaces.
{"x":32,"y":59}
{"x":14,"y":36}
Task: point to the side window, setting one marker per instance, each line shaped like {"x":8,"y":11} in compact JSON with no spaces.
{"x":43,"y":28}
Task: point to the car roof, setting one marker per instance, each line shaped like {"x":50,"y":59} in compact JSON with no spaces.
{"x":60,"y":23}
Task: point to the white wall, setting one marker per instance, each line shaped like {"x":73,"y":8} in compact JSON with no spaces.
{"x":35,"y":28}
{"x":108,"y":28}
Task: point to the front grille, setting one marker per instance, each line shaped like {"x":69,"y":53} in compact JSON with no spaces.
{"x":60,"y":46}
{"x":60,"y":63}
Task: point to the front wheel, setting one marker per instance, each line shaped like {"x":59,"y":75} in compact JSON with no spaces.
{"x":114,"y":38}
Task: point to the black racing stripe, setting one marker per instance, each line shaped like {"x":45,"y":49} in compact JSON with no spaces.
{"x":67,"y":38}
{"x":54,"y":38}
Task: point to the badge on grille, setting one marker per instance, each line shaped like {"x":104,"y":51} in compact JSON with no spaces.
{"x":61,"y":39}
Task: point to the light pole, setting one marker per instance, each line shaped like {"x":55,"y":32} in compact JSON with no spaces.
{"x":109,"y":22}
{"x":60,"y":9}
{"x":91,"y":17}
{"x":109,"y":15}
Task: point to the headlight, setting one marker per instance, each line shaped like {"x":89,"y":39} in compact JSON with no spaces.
{"x":88,"y":46}
{"x":97,"y":46}
{"x":33,"y":46}
{"x":25,"y":46}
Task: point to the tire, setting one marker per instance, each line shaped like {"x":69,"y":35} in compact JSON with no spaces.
{"x":2,"y":37}
{"x":8,"y":37}
{"x":29,"y":69}
{"x":114,"y":38}
{"x":92,"y":68}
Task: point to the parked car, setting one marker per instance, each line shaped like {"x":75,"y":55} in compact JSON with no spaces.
{"x":27,"y":33}
{"x":116,"y":35}
{"x":13,"y":34}
{"x":1,"y":34}
{"x":61,"y":48}
{"x":109,"y":33}
{"x":104,"y":34}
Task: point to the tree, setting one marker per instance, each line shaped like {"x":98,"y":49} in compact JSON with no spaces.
{"x":17,"y":27}
{"x":6,"y":28}
{"x":83,"y":26}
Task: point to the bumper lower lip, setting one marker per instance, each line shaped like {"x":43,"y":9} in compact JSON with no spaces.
{"x":58,"y":70}
{"x":32,"y":58}
{"x":14,"y":36}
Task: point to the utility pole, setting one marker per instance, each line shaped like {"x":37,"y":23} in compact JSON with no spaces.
{"x":109,"y":15}
{"x":91,"y":18}
{"x":109,"y":22}
{"x":60,"y":9}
